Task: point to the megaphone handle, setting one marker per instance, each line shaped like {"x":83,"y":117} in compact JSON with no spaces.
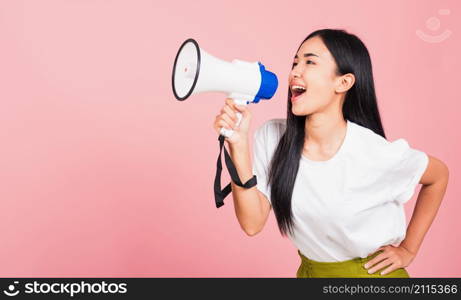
{"x":229,"y":132}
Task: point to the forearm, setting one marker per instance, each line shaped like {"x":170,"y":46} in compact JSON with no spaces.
{"x":246,"y":201}
{"x":427,"y":205}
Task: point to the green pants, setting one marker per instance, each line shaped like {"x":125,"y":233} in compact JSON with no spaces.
{"x":349,"y":268}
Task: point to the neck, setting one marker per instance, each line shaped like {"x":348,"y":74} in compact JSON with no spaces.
{"x":324,"y":131}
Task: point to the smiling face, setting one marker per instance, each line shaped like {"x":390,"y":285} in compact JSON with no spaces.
{"x":314,"y":68}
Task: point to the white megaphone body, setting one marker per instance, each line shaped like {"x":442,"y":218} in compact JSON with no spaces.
{"x":195,"y":71}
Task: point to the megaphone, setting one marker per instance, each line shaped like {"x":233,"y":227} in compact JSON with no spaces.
{"x":195,"y":71}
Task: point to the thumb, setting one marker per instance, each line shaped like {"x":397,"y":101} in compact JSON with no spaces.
{"x":242,"y":109}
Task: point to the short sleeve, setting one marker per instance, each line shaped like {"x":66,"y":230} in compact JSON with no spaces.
{"x":261,"y":160}
{"x":407,"y":171}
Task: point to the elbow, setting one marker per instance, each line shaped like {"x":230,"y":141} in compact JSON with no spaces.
{"x":437,"y":173}
{"x":252,"y":232}
{"x":445,"y":173}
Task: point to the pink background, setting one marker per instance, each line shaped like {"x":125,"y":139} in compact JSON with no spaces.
{"x":104,"y":173}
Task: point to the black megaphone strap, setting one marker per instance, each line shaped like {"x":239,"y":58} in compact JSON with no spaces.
{"x":221,"y":194}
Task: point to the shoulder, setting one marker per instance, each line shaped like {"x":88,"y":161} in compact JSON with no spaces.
{"x":368,"y":143}
{"x":271,"y":130}
{"x":364,"y":135}
{"x":267,"y":137}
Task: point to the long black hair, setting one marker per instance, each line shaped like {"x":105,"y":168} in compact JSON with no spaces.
{"x":360,"y":107}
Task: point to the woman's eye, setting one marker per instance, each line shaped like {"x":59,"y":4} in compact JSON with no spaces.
{"x":308,"y":62}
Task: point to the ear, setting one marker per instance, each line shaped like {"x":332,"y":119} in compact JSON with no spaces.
{"x":345,"y":82}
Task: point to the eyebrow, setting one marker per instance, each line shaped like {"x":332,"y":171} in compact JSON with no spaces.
{"x":307,"y":55}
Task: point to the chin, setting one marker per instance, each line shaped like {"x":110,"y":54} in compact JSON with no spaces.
{"x":301,"y":111}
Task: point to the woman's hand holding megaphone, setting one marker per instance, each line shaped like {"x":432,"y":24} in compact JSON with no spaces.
{"x":228,"y":119}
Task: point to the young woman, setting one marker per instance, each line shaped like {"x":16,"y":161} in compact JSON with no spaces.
{"x":336,"y":184}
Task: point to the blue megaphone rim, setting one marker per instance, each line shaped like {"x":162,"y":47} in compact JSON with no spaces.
{"x":194,"y":42}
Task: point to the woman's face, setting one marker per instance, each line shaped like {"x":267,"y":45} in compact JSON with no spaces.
{"x":314,"y":68}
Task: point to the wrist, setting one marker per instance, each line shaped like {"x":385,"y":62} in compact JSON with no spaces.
{"x":241,"y":145}
{"x":408,"y":248}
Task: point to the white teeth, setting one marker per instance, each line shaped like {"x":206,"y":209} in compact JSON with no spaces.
{"x":298,"y":87}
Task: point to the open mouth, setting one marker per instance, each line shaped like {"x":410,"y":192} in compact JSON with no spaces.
{"x":297,"y":91}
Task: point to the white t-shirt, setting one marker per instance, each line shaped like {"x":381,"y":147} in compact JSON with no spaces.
{"x":352,"y":204}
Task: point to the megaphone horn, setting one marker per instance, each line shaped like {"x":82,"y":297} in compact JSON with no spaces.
{"x":195,"y":71}
{"x":186,"y":69}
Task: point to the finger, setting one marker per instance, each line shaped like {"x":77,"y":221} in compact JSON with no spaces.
{"x":222,"y":123}
{"x":230,"y":102}
{"x":393,"y":267}
{"x":216,"y":120}
{"x":375,"y":260}
{"x":227,"y":109}
{"x":240,"y":108}
{"x":228,"y":120}
{"x":380,"y":249}
{"x":379,"y":266}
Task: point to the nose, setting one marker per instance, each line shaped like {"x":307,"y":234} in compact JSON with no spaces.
{"x":295,"y":73}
